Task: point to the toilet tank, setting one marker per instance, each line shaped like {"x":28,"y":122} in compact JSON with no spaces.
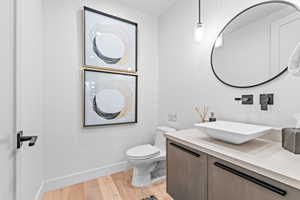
{"x":160,"y":140}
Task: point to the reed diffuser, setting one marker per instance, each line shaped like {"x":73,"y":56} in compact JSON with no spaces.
{"x":202,"y":113}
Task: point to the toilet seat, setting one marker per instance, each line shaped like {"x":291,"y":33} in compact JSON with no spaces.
{"x":143,"y":152}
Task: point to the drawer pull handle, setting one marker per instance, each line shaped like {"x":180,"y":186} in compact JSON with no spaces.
{"x":252,"y":179}
{"x":185,"y":150}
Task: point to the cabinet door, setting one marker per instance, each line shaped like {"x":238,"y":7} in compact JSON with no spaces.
{"x":229,"y":182}
{"x":186,"y":173}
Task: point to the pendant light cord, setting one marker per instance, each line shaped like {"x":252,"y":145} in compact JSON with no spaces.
{"x":200,"y":21}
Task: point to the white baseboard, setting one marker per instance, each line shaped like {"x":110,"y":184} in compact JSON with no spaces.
{"x":39,"y":194}
{"x":72,"y":179}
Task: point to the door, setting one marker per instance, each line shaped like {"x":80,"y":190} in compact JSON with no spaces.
{"x":7,"y":116}
{"x":186,"y":173}
{"x":29,"y":73}
{"x":20,"y":170}
{"x":229,"y":182}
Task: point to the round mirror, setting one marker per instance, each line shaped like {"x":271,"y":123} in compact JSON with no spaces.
{"x":255,"y":46}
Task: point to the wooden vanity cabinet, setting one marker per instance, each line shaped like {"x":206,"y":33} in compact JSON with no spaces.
{"x":193,"y":175}
{"x":186,"y":173}
{"x":229,"y":182}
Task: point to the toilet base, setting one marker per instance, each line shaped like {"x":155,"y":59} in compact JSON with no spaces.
{"x":142,"y":175}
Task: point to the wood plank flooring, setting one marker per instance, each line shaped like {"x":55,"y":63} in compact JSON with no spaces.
{"x":114,"y":187}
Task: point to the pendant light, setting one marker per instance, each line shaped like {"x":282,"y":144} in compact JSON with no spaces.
{"x":199,"y":29}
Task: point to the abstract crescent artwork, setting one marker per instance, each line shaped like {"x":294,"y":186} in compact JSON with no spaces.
{"x":107,"y":60}
{"x":109,"y":42}
{"x":110,"y":98}
{"x":104,"y":115}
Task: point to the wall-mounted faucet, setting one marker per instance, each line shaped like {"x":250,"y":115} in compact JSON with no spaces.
{"x":246,"y":99}
{"x":265,"y":100}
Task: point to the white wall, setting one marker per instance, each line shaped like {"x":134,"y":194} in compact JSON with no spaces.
{"x":29,"y":94}
{"x":186,"y":79}
{"x":69,"y":148}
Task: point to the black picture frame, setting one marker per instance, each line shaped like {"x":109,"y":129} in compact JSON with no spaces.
{"x":221,"y":32}
{"x":85,"y":9}
{"x":84,"y":98}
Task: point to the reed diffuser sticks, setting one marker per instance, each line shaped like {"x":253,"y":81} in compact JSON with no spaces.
{"x":202,"y":113}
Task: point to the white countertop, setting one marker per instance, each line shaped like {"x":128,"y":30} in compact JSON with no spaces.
{"x":262,"y":156}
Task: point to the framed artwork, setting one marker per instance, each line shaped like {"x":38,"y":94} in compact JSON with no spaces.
{"x":110,"y":98}
{"x":109,"y":42}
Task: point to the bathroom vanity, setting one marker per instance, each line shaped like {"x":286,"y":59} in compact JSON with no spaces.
{"x":202,"y":168}
{"x":254,"y":48}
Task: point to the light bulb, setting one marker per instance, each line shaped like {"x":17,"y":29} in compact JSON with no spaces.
{"x":199,"y":32}
{"x":219,"y":41}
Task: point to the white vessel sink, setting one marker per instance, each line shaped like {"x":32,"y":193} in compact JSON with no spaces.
{"x":233,"y":132}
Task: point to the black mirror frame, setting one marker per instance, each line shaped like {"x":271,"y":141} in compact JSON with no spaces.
{"x":235,"y":17}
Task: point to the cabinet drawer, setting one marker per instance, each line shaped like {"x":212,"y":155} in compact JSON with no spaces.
{"x":230,"y":182}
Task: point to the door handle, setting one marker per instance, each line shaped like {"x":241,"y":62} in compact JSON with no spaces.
{"x":21,"y":138}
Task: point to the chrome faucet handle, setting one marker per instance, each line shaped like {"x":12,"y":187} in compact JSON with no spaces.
{"x":265,"y":100}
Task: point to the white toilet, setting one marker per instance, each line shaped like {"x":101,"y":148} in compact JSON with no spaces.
{"x":144,"y":158}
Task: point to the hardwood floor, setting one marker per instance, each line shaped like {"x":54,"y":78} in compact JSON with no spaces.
{"x":114,"y":187}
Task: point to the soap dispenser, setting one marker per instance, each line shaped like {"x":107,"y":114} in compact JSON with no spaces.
{"x":212,"y":117}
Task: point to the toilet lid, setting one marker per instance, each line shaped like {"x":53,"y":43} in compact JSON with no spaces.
{"x":143,"y":152}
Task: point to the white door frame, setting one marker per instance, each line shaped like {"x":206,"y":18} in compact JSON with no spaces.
{"x":17,"y":97}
